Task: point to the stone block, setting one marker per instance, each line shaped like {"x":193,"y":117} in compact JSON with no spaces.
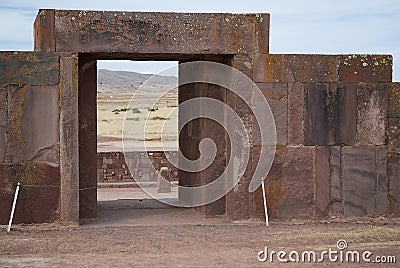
{"x":295,"y":113}
{"x":38,"y":200}
{"x":330,"y":114}
{"x":29,"y":68}
{"x":393,"y":173}
{"x":347,"y":113}
{"x":365,"y":68}
{"x":394,"y":100}
{"x":336,"y":196}
{"x":372,"y":107}
{"x":69,"y":147}
{"x":295,"y":68}
{"x":151,"y":32}
{"x":359,"y":177}
{"x":3,"y":121}
{"x":262,"y":24}
{"x":320,"y":125}
{"x":33,"y":110}
{"x":394,"y":135}
{"x":322,"y":181}
{"x":277,"y":96}
{"x":382,"y":182}
{"x":44,"y":31}
{"x":290,"y":183}
{"x":239,"y":202}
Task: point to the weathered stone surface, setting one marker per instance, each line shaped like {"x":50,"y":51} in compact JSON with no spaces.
{"x":262,"y":24}
{"x":277,"y":96}
{"x":382,"y":183}
{"x":239,"y":202}
{"x":372,"y":107}
{"x":394,"y":100}
{"x":394,"y":135}
{"x":365,"y":68}
{"x":322,"y":181}
{"x":38,"y":200}
{"x":244,"y":63}
{"x":321,"y":103}
{"x":33,"y":110}
{"x":336,"y":197}
{"x":359,"y":180}
{"x":44,"y":31}
{"x":290,"y":183}
{"x":295,"y":68}
{"x":296,"y":113}
{"x":322,"y":68}
{"x":393,"y":173}
{"x":29,"y":68}
{"x":347,"y":113}
{"x":147,"y":32}
{"x":330,"y":114}
{"x":3,"y":122}
{"x":69,"y":147}
{"x":87,"y":137}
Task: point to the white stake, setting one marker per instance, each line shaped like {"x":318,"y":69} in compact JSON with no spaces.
{"x":265,"y":202}
{"x":13,"y":208}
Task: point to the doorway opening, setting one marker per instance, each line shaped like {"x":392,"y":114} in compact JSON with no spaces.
{"x":137,"y":132}
{"x":96,"y":120}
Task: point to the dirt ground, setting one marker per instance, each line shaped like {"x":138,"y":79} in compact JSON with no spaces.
{"x":192,"y":245}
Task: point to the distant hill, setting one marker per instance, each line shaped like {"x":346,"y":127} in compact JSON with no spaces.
{"x":111,"y":81}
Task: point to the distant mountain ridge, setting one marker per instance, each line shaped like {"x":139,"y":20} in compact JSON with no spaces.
{"x":108,"y":80}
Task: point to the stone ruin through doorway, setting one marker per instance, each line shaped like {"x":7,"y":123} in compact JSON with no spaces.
{"x":337,"y":116}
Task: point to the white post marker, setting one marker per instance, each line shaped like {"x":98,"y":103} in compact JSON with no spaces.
{"x":13,"y":208}
{"x":265,"y":202}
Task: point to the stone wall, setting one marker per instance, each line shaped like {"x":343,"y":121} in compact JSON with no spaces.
{"x":29,"y":135}
{"x":337,"y":116}
{"x":143,"y":166}
{"x":334,"y":135}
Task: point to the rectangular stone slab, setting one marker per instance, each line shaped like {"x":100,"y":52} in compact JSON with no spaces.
{"x":372,"y":107}
{"x":33,"y":111}
{"x":151,"y":32}
{"x":29,"y":68}
{"x":394,"y":100}
{"x":292,"y":68}
{"x":290,"y":183}
{"x":359,"y":180}
{"x":38,"y":200}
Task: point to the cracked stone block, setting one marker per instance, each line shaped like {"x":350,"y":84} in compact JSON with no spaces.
{"x":393,"y":173}
{"x":29,"y":68}
{"x":33,"y":111}
{"x":359,"y":180}
{"x":365,"y":68}
{"x":372,"y":107}
{"x":330,"y":114}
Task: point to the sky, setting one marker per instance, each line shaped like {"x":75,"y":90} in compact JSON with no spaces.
{"x":307,"y":26}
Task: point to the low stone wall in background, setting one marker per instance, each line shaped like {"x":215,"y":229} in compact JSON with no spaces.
{"x":133,"y":166}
